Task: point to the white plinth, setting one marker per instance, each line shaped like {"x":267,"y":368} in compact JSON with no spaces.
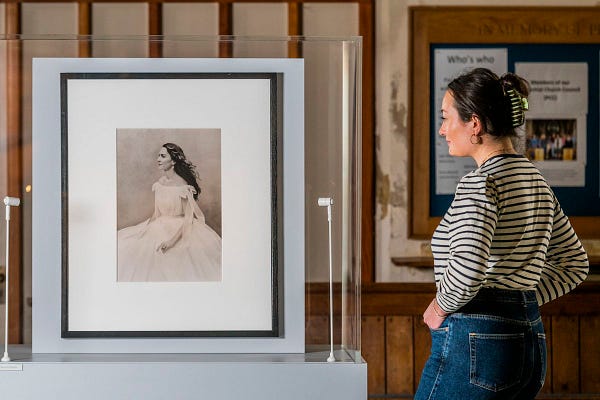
{"x":180,"y":376}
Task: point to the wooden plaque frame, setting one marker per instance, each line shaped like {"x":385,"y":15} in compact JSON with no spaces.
{"x":485,"y":25}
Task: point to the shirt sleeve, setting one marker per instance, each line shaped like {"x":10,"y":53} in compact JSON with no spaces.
{"x":566,"y":264}
{"x":473,"y":216}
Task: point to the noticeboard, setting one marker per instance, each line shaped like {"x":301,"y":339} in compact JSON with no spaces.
{"x":557,"y":52}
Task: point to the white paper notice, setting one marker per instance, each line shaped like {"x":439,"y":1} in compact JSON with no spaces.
{"x":556,"y":87}
{"x":449,"y":63}
{"x":556,"y":128}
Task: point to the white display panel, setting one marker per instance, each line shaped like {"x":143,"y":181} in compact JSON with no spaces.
{"x":240,"y":301}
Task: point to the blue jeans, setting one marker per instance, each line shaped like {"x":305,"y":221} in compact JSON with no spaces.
{"x":492,"y":348}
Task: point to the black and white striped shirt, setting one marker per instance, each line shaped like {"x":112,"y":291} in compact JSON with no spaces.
{"x":505,"y":229}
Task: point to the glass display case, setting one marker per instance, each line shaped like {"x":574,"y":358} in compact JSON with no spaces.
{"x":317,"y":105}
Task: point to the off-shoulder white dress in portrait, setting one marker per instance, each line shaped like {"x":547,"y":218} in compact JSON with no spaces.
{"x":196,"y":256}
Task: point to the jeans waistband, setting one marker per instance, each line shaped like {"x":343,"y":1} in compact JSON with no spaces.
{"x":494,"y":295}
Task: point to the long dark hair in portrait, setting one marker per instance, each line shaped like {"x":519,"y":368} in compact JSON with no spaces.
{"x":183,"y":167}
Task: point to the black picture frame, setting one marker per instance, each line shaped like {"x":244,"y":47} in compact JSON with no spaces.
{"x":276,"y":328}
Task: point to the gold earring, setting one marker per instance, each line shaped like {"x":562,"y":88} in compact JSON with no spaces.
{"x":478,"y":139}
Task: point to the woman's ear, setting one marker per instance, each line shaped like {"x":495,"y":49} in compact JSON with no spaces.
{"x":476,"y":124}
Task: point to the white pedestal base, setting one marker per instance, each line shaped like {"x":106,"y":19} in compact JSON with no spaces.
{"x":180,"y":376}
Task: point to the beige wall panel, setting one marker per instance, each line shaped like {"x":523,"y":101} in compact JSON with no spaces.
{"x":323,"y":140}
{"x":2,"y":17}
{"x":260,"y":19}
{"x":49,"y":18}
{"x":330,"y":19}
{"x":120,"y":19}
{"x":196,"y":19}
{"x":38,"y":19}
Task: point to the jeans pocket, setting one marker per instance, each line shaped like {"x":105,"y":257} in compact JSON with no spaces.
{"x":496,"y":360}
{"x":439,"y":339}
{"x":543,"y":355}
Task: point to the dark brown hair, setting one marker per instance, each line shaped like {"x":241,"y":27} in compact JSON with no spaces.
{"x":183,"y":167}
{"x":498,"y":102}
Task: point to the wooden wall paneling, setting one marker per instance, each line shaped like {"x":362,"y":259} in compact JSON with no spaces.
{"x":422,"y":339}
{"x":373,"y":351}
{"x":317,"y":329}
{"x":14,"y":170}
{"x":225,"y":28}
{"x":566,"y":361}
{"x":399,"y":355}
{"x":366,"y":26}
{"x":590,"y":353}
{"x":547,"y":321}
{"x":396,"y":298}
{"x":565,"y":354}
{"x":317,"y":313}
{"x":420,"y":225}
{"x":581,"y":301}
{"x":155,"y":28}
{"x":294,"y":28}
{"x":84,"y":10}
{"x":337,"y":329}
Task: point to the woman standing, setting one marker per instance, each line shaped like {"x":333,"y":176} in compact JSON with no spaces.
{"x":503,"y":248}
{"x":175,"y":244}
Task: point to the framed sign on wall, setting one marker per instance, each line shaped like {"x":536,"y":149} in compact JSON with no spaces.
{"x":557,"y":52}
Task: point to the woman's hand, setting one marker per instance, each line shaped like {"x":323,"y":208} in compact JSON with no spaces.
{"x":434,"y":315}
{"x":167,"y":244}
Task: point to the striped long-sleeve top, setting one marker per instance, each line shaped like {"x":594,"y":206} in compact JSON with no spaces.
{"x":505,"y":229}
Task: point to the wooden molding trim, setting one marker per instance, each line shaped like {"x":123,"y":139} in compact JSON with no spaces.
{"x":295,"y":28}
{"x":192,"y":1}
{"x":225,"y":28}
{"x":413,"y":299}
{"x":155,"y":29}
{"x":84,"y":28}
{"x":415,"y":262}
{"x":367,"y":31}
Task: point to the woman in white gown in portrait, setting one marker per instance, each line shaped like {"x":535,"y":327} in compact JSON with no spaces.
{"x":174,"y":244}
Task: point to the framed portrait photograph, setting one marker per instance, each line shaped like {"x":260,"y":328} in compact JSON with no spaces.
{"x":168,"y":226}
{"x":172,"y":204}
